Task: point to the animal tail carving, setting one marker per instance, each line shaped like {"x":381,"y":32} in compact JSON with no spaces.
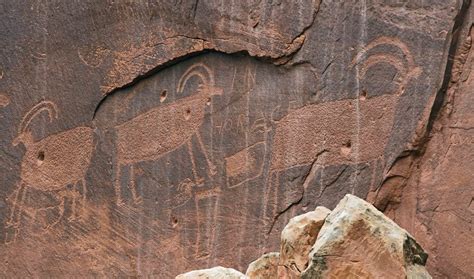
{"x":47,"y":106}
{"x":405,"y":66}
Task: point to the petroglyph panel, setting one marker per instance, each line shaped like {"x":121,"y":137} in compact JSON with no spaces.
{"x":148,"y":140}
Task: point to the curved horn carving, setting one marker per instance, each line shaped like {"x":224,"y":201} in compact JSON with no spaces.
{"x":48,"y":106}
{"x":200,"y":70}
{"x":384,"y":58}
{"x":387,"y":41}
{"x":405,"y":66}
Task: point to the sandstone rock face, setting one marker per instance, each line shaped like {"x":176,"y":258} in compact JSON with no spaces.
{"x":437,"y":204}
{"x":358,"y":241}
{"x":264,"y":267}
{"x":218,"y":272}
{"x":148,"y":138}
{"x":297,"y":238}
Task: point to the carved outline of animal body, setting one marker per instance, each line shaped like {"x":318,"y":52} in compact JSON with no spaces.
{"x":51,"y":164}
{"x":152,"y":134}
{"x":279,"y":161}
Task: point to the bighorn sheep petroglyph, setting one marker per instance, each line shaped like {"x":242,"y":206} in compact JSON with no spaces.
{"x":344,"y":131}
{"x":51,"y":164}
{"x":152,"y":134}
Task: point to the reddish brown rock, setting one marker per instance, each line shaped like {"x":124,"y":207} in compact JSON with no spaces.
{"x":437,"y":204}
{"x":264,"y":267}
{"x":154,"y":137}
{"x":297,"y":238}
{"x":358,"y":241}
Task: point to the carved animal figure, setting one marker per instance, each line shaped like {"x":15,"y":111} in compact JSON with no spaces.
{"x":52,"y":164}
{"x":354,"y":130}
{"x":163,"y":129}
{"x":333,"y":126}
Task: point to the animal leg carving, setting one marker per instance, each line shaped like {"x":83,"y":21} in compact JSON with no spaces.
{"x":133,"y":187}
{"x":84,"y":197}
{"x":117,"y":186}
{"x":13,"y":224}
{"x":198,"y":180}
{"x":211,"y":166}
{"x":75,"y":195}
{"x":61,"y":214}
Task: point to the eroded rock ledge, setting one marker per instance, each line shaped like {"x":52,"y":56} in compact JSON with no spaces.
{"x":355,"y":240}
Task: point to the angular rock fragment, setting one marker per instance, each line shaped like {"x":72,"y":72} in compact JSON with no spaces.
{"x":358,"y":241}
{"x":297,"y":238}
{"x":264,"y":267}
{"x":217,"y":272}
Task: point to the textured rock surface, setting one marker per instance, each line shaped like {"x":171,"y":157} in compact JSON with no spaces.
{"x":297,"y":238}
{"x":358,"y":241}
{"x":218,"y":272}
{"x":264,"y":267}
{"x":143,"y":138}
{"x":437,"y":205}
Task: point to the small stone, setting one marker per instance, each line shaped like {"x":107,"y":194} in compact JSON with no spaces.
{"x":297,"y":238}
{"x":217,"y":272}
{"x":265,"y":267}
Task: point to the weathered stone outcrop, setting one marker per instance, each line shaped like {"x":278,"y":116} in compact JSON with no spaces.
{"x":264,"y":267}
{"x":297,"y":238}
{"x":217,"y":272}
{"x":358,"y":241}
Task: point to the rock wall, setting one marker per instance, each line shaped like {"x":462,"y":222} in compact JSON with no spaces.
{"x":437,"y":203}
{"x":147,"y":138}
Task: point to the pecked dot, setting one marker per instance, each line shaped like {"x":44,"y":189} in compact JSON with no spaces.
{"x":163,"y":95}
{"x":40,"y":158}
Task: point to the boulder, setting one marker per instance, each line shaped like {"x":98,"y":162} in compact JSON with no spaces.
{"x":297,"y":238}
{"x":217,"y":272}
{"x":358,"y":241}
{"x":265,"y":267}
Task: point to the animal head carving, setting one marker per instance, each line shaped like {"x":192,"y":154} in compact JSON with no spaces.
{"x":204,"y":74}
{"x":24,"y":136}
{"x":405,"y":65}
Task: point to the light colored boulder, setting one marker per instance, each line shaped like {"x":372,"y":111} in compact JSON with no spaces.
{"x":297,"y":238}
{"x":217,"y":272}
{"x":265,"y":267}
{"x":358,"y":241}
